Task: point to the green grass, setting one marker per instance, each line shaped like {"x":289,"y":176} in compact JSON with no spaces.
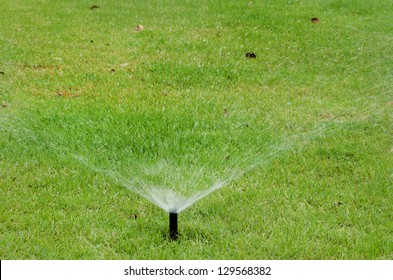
{"x":179,"y":98}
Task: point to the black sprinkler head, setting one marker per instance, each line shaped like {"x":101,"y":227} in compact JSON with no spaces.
{"x":173,"y":226}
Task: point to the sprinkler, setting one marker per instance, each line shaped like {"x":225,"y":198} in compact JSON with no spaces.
{"x":173,"y":226}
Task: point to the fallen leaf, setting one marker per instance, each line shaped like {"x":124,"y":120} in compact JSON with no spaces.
{"x":315,"y":20}
{"x":94,"y":7}
{"x":67,"y":94}
{"x":5,"y":104}
{"x":139,"y":27}
{"x":251,"y":55}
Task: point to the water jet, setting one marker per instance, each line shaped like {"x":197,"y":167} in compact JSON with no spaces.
{"x":158,"y":182}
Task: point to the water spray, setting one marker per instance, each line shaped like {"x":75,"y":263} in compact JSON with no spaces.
{"x":170,"y":200}
{"x":173,"y":226}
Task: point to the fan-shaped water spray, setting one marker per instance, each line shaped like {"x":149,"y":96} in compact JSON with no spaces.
{"x":171,"y":162}
{"x":174,"y":200}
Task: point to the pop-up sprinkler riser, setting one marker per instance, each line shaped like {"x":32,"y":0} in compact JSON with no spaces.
{"x":173,"y":226}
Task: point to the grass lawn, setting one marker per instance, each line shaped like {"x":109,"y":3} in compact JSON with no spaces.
{"x":91,"y":108}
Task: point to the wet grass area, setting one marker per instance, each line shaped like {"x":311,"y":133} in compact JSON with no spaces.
{"x":282,"y":109}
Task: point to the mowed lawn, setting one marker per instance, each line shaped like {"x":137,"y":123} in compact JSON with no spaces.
{"x":199,"y":90}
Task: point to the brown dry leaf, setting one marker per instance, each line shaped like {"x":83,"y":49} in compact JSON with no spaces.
{"x":251,"y":55}
{"x":139,"y":27}
{"x":67,"y":94}
{"x":315,"y":20}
